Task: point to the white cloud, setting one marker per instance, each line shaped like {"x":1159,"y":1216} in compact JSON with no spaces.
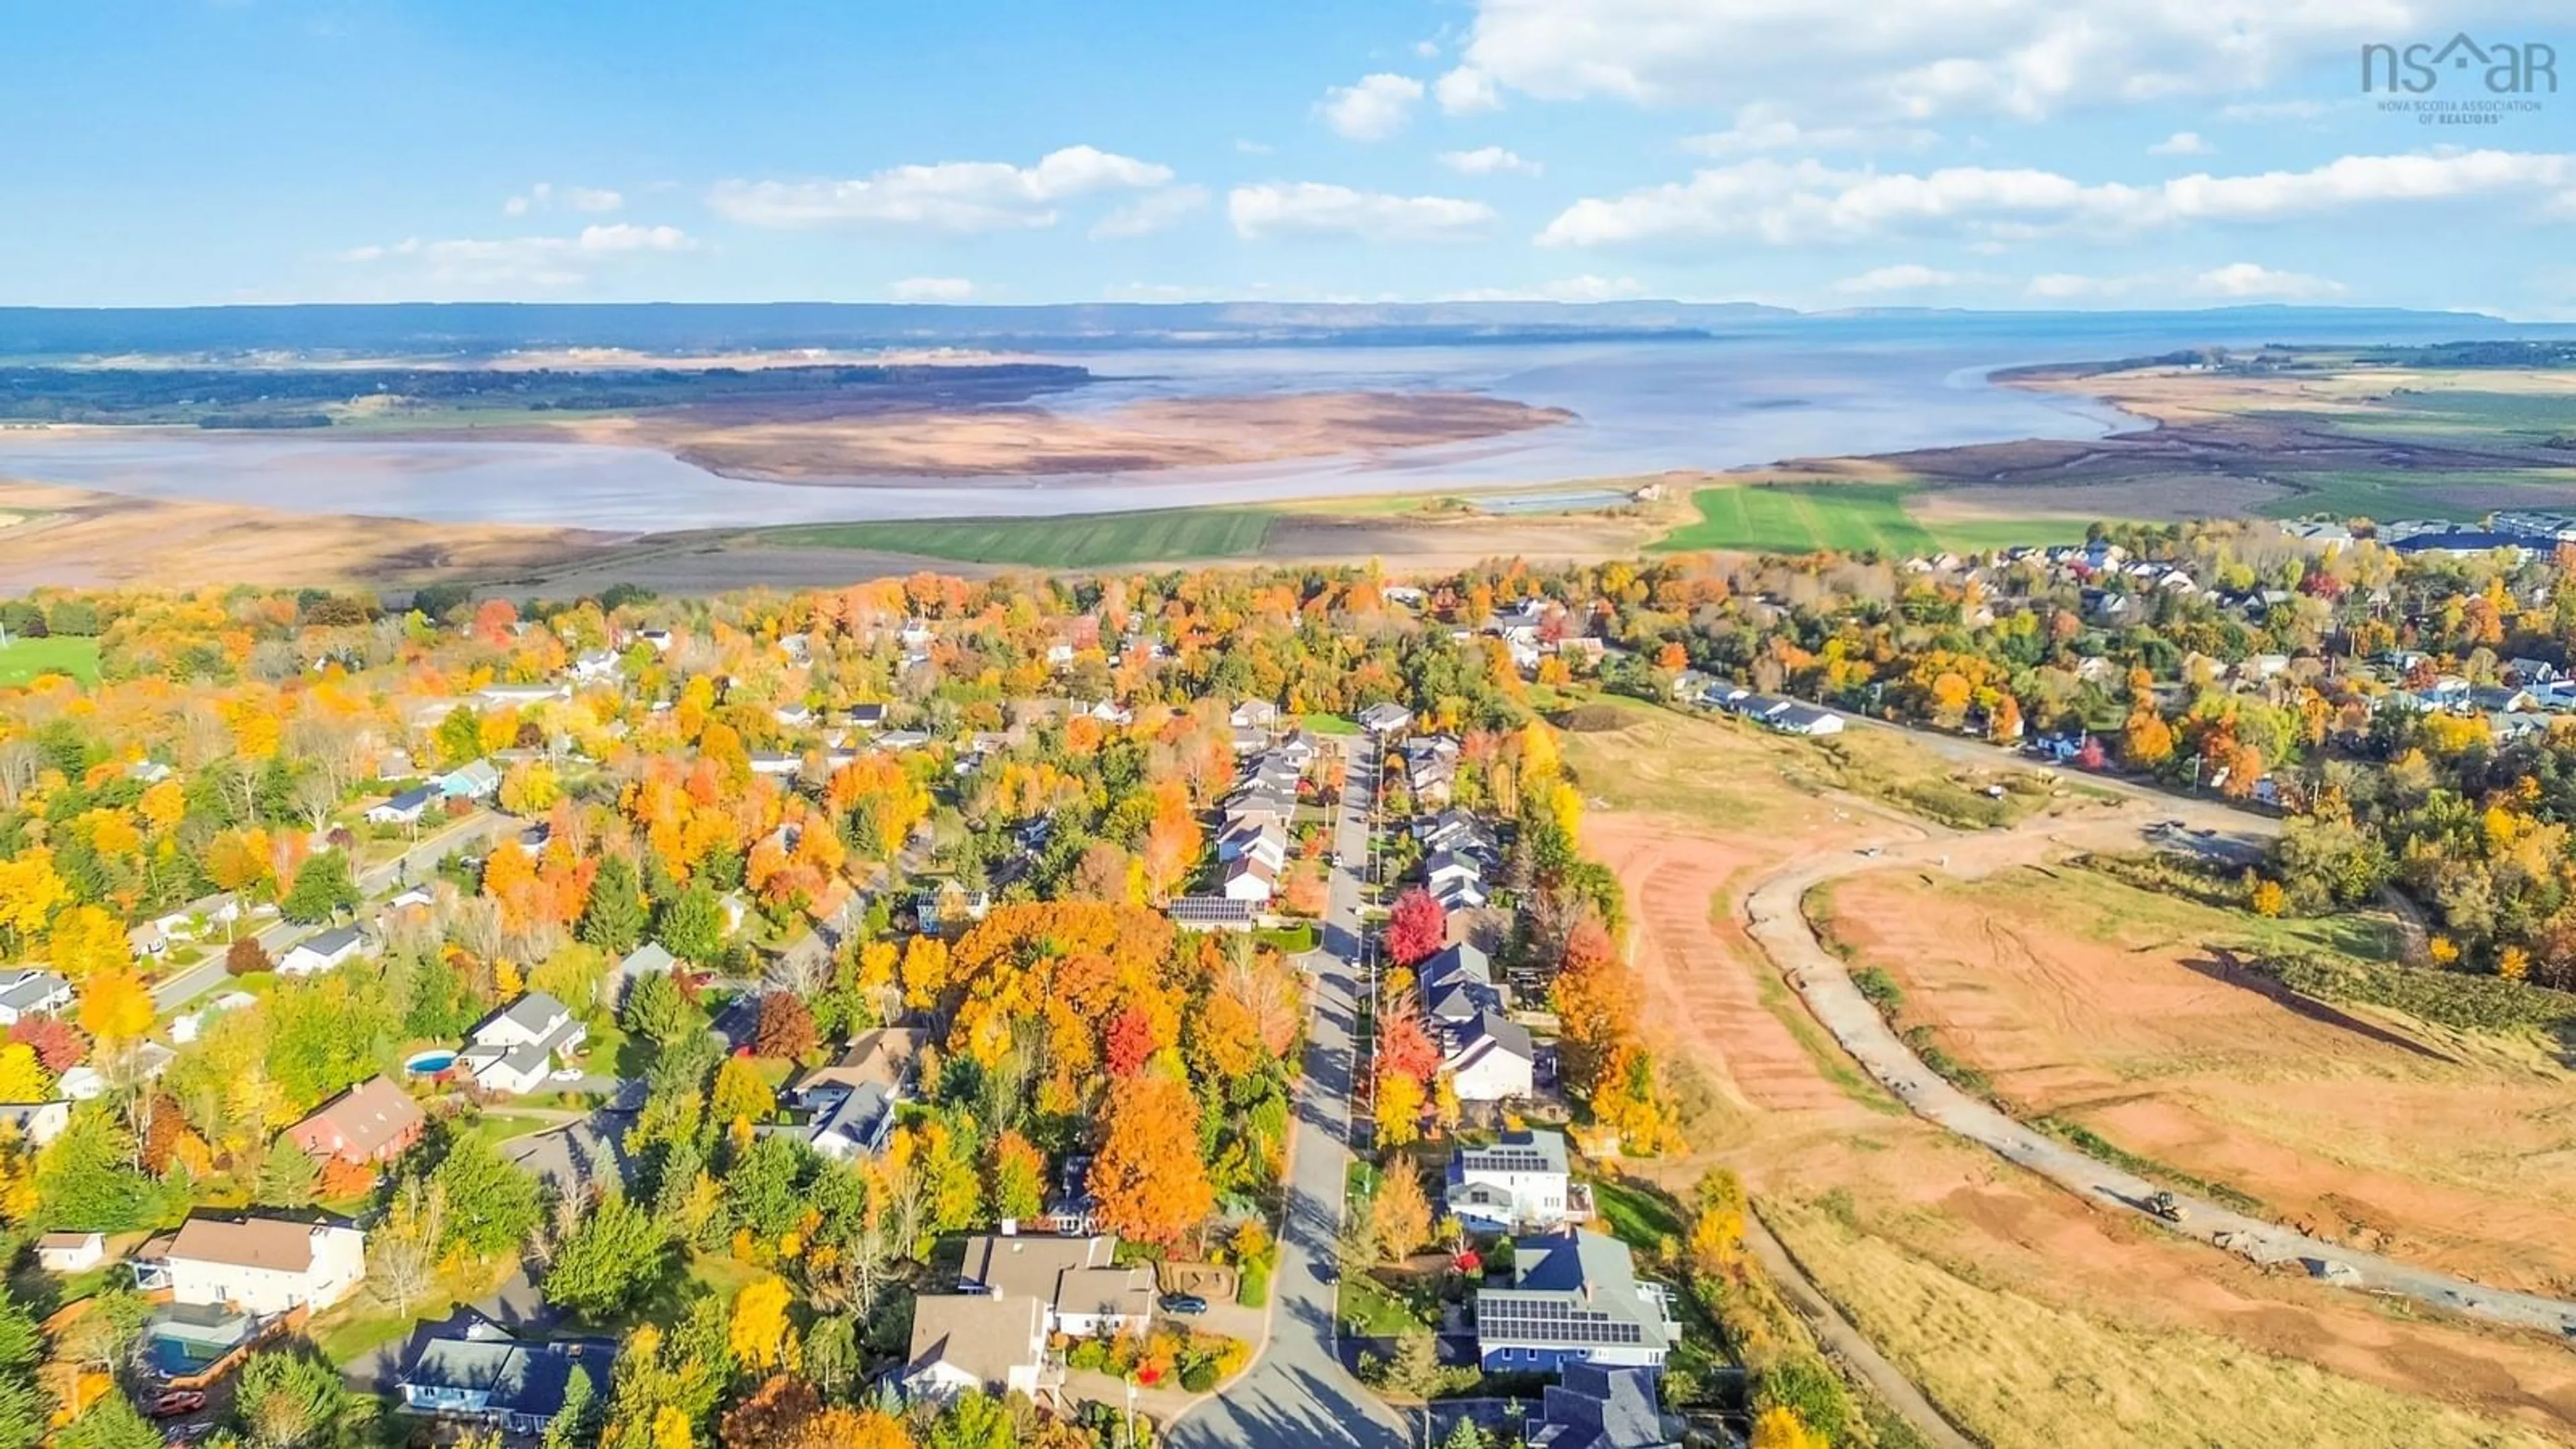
{"x":1376,"y":108}
{"x":2235,"y":282}
{"x":931,"y":289}
{"x":1487,"y":160}
{"x":1868,"y":59}
{"x":1466,"y":91}
{"x":2181,"y":143}
{"x":1761,"y":127}
{"x":1806,"y":202}
{"x":2276,"y":110}
{"x":528,"y":261}
{"x":545,"y":196}
{"x":1901,"y":277}
{"x":1315,"y":209}
{"x":1586,"y":288}
{"x":1254,"y":148}
{"x":1154,"y":211}
{"x":952,"y":196}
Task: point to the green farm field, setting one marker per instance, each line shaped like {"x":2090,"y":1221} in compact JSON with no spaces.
{"x":2462,"y":496}
{"x":22,"y":660}
{"x":1851,"y":517}
{"x":1099,"y":540}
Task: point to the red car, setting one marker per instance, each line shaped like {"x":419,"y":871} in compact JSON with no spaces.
{"x":176,"y":1402}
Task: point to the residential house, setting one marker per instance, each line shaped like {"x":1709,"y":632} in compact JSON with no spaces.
{"x":1384,"y":720}
{"x":1430,"y":768}
{"x":1457,"y":982}
{"x":478,"y":780}
{"x":322,"y":951}
{"x":1086,"y":1293}
{"x":1597,"y":1406}
{"x":403,"y":809}
{"x":1575,"y":1298}
{"x":1490,"y":1059}
{"x":965,"y":1342}
{"x":255,"y":1264}
{"x":374,"y":1121}
{"x":68,"y":1253}
{"x":2532,"y":673}
{"x":484,"y":1376}
{"x":1459,"y":833}
{"x":598,"y":666}
{"x":26,"y":991}
{"x":847,"y":1109}
{"x":1255,"y":714}
{"x":950,"y":906}
{"x":1211,"y":913}
{"x":650,"y":959}
{"x":1516,"y":1184}
{"x":516,"y":1048}
{"x":1455,"y":880}
{"x":1251,"y":879}
{"x":775,"y":763}
{"x":1806,"y":719}
{"x":35,"y":1123}
{"x":519,"y":696}
{"x":868,"y":716}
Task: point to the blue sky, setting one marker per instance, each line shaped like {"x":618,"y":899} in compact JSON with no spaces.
{"x":1812,"y":153}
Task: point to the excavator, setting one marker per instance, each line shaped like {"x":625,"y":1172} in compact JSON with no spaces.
{"x":2164,"y":1206}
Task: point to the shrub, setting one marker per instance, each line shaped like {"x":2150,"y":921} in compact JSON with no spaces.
{"x":1198,"y":1378}
{"x":245,"y":957}
{"x":1880,"y":988}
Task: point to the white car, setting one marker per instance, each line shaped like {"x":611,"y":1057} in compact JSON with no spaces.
{"x":569,"y":1074}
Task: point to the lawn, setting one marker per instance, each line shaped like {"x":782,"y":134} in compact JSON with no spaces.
{"x":1635,"y":1214}
{"x":1847,"y":517}
{"x":1372,"y":1308}
{"x":1098,"y":540}
{"x":499,"y":1127}
{"x":1327,"y":724}
{"x":22,"y":660}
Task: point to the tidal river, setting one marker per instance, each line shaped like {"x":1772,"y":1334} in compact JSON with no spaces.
{"x":1812,"y":387}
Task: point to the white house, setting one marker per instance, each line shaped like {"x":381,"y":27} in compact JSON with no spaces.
{"x":1250,"y":878}
{"x":516,"y":1048}
{"x":36,"y":1123}
{"x":1513,"y":1185}
{"x":322,"y":951}
{"x":1385,"y":719}
{"x":25,"y":991}
{"x":403,"y":809}
{"x":1491,"y":1059}
{"x":258,"y":1265}
{"x":968,"y":1341}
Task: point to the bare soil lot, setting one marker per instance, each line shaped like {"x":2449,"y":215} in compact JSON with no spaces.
{"x":2122,"y":1011}
{"x":2032,"y":1319}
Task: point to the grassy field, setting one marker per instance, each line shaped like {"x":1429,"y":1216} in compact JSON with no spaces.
{"x":1853,"y":517}
{"x":2371,"y":493}
{"x":21,"y":660}
{"x":2017,"y":1372}
{"x":2466,"y":415}
{"x":1099,"y":540}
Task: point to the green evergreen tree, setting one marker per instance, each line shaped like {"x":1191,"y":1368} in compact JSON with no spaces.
{"x":287,"y":1179}
{"x":614,"y":920}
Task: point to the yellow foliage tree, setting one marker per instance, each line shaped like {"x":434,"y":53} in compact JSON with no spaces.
{"x":116,"y":1006}
{"x":23,"y":1078}
{"x":87,"y":942}
{"x":1781,"y":1428}
{"x":760,"y":1336}
{"x":1399,"y":1109}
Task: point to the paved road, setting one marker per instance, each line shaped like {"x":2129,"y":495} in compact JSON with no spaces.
{"x":1297,"y":1395}
{"x":1776,"y":918}
{"x":414,"y":864}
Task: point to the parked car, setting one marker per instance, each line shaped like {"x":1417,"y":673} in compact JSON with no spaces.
{"x":1183,"y":1303}
{"x":176,"y":1402}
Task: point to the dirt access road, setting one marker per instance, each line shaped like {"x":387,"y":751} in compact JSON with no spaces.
{"x":1775,"y":918}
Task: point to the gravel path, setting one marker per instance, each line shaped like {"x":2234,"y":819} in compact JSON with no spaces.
{"x":1775,"y":917}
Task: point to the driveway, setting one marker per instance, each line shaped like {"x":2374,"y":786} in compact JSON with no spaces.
{"x":1297,"y":1394}
{"x":1774,"y":915}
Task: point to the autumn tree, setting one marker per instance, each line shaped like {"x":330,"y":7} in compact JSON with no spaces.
{"x":786,"y":1029}
{"x":1416,"y":927}
{"x":116,"y":1007}
{"x":1400,"y":1212}
{"x":1595,"y":996}
{"x":1147,"y":1176}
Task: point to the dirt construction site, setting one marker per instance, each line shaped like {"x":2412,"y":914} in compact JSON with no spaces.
{"x":2027,"y":1314}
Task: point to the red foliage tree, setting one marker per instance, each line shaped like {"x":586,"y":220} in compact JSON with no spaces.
{"x":1416,"y":927}
{"x":57,"y":1043}
{"x":1130,"y":1041}
{"x":1402,"y":1044}
{"x":246,"y":957}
